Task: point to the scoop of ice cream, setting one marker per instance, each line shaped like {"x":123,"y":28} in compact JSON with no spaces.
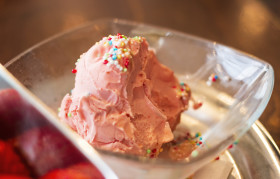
{"x":124,"y":100}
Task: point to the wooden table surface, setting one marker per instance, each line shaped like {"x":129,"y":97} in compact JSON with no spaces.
{"x":252,"y":26}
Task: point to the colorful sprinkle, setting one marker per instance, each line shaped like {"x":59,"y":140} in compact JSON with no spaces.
{"x":229,"y":147}
{"x":148,"y":151}
{"x":58,"y":109}
{"x":74,"y":70}
{"x":119,"y":55}
{"x":197,"y":134}
{"x":194,"y":153}
{"x":212,"y":78}
{"x":217,"y":158}
{"x":69,"y":114}
{"x":236,"y":142}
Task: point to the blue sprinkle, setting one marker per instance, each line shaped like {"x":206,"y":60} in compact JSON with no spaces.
{"x":200,"y":138}
{"x":115,"y":49}
{"x":114,"y":57}
{"x":197,"y":144}
{"x":216,"y":77}
{"x":110,"y":42}
{"x":182,"y":83}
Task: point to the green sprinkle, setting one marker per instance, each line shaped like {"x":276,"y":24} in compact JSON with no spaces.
{"x":125,"y":69}
{"x":69,"y":115}
{"x":148,"y":151}
{"x":182,"y":83}
{"x":236,"y":142}
{"x":194,"y":153}
{"x":58,"y":109}
{"x":197,"y":134}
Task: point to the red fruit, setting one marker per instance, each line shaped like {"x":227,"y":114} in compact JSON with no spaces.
{"x":46,"y":149}
{"x":13,"y":177}
{"x":83,"y":170}
{"x":16,"y":115}
{"x":10,"y":161}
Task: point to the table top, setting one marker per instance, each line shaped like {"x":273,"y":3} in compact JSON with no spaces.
{"x":252,"y":26}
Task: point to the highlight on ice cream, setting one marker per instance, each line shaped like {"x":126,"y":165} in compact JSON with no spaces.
{"x":124,"y":100}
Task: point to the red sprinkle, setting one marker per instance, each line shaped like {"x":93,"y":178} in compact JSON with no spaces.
{"x":105,"y":62}
{"x":154,"y":150}
{"x":229,"y":147}
{"x":74,"y":70}
{"x":213,"y":79}
{"x":200,"y":142}
{"x":118,"y":34}
{"x":218,"y":158}
{"x":109,"y":38}
{"x":197,"y":105}
{"x":111,"y":55}
{"x":182,"y":89}
{"x":152,"y":156}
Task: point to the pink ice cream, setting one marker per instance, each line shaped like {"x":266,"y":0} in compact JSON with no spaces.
{"x":124,"y":100}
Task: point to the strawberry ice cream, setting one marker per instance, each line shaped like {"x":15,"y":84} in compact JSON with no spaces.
{"x":124,"y":100}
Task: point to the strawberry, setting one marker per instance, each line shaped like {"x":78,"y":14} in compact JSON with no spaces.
{"x":46,"y":149}
{"x":10,"y":161}
{"x":78,"y":171}
{"x":13,"y":177}
{"x":16,"y":115}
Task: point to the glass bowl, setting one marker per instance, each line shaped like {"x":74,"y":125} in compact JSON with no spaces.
{"x":231,"y":103}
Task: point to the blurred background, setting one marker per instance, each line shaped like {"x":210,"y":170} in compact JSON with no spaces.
{"x":252,"y":26}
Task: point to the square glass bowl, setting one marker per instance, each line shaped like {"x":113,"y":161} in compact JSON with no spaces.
{"x":231,"y":103}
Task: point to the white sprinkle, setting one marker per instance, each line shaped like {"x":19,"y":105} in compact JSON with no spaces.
{"x":209,"y":83}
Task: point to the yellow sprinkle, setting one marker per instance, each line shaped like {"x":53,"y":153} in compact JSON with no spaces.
{"x":122,"y":44}
{"x":161,"y":149}
{"x":119,"y":56}
{"x":106,"y":44}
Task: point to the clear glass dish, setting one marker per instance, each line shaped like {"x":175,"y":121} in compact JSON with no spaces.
{"x":230,"y":105}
